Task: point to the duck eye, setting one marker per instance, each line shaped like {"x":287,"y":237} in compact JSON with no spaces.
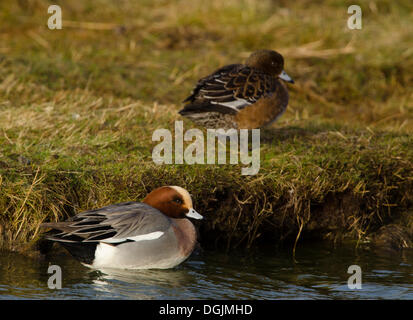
{"x":178,"y":201}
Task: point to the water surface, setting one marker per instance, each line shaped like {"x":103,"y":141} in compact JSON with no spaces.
{"x":317,"y":272}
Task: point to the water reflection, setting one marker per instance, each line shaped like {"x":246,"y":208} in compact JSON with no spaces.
{"x":317,"y":272}
{"x":144,"y":284}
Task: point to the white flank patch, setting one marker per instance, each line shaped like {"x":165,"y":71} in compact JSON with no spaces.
{"x":233,"y":104}
{"x":105,"y":254}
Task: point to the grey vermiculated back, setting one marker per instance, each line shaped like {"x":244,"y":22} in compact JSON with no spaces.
{"x":122,"y":220}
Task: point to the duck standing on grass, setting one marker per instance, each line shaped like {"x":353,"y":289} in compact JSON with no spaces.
{"x":132,"y":235}
{"x":241,"y":96}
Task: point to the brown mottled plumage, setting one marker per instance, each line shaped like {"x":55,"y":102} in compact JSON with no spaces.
{"x":241,"y":96}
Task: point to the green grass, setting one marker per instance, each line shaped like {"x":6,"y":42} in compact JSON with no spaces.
{"x":78,"y":107}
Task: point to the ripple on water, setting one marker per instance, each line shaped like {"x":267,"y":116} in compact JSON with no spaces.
{"x":315,"y":273}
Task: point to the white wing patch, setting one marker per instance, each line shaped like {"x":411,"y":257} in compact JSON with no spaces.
{"x":141,"y":237}
{"x":148,"y":236}
{"x":235,"y":104}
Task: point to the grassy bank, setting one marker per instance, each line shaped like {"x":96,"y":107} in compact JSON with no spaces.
{"x":78,"y":107}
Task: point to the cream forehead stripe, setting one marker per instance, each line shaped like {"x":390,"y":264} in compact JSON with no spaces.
{"x":185,"y":195}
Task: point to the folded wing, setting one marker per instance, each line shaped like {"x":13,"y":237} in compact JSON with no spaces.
{"x":229,"y":90}
{"x":114,"y":224}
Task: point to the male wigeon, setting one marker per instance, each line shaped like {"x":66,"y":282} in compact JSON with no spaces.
{"x":241,"y":96}
{"x":132,"y":235}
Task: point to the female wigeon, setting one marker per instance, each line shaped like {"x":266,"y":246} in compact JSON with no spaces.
{"x":132,"y":235}
{"x":241,"y":96}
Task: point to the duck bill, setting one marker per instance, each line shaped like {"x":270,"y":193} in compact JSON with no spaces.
{"x":193,"y":214}
{"x":284,"y":76}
